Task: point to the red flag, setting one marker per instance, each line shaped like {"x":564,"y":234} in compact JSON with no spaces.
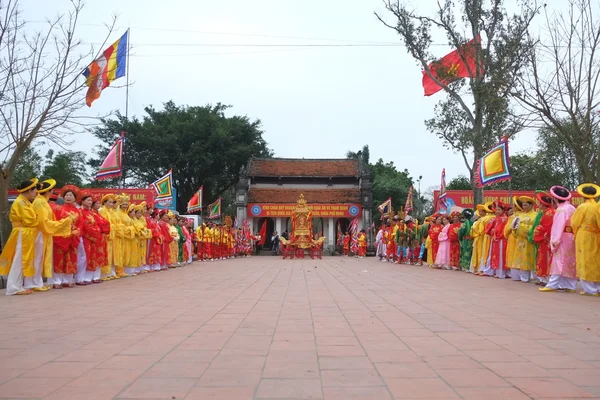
{"x":451,"y":67}
{"x":263,"y":233}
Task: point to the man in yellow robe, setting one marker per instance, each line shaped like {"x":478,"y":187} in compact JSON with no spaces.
{"x":486,"y":240}
{"x":17,"y":257}
{"x":523,"y":267}
{"x":511,"y":236}
{"x":585,"y":223}
{"x":108,"y":212}
{"x":477,"y":233}
{"x":48,"y":227}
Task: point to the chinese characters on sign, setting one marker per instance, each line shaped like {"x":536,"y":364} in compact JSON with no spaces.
{"x":317,"y":210}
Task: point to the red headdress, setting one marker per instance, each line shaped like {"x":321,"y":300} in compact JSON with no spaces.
{"x":544,"y":198}
{"x":97,"y":198}
{"x":499,"y":204}
{"x":455,"y":214}
{"x":70,"y":188}
{"x":84,"y":194}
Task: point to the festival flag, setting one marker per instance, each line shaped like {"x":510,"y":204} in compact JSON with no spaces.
{"x":111,"y":65}
{"x":353,"y":228}
{"x":214,"y":210}
{"x":494,"y":167}
{"x":339,"y":233}
{"x":458,"y":64}
{"x":112,"y":166}
{"x":385,"y":208}
{"x":164,"y":186}
{"x":195,"y":203}
{"x":408,"y":207}
{"x":263,"y":233}
{"x":442,"y":196}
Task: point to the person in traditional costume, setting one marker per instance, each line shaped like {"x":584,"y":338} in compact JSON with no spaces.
{"x":423,"y":237}
{"x":511,"y":236}
{"x":174,"y":245}
{"x":201,"y":241}
{"x":68,"y":253}
{"x":180,"y":242}
{"x":91,"y":236}
{"x":540,"y":236}
{"x":188,"y":228}
{"x":44,"y":244}
{"x":466,"y":241}
{"x":18,"y":254}
{"x":362,"y":244}
{"x":392,"y":244}
{"x":523,"y":267}
{"x":144,"y":235}
{"x":477,"y":233}
{"x":107,"y":211}
{"x":380,"y":243}
{"x":101,"y":249}
{"x":155,"y":244}
{"x":442,"y":258}
{"x":495,"y":229}
{"x":483,"y":265}
{"x":165,"y":228}
{"x":586,"y":226}
{"x":123,"y":233}
{"x":131,"y":240}
{"x":346,"y":244}
{"x":454,"y":240}
{"x":416,"y":242}
{"x":399,"y":241}
{"x":563,"y":267}
{"x":434,"y":232}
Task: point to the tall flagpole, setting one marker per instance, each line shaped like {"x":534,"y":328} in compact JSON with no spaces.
{"x":126,"y":97}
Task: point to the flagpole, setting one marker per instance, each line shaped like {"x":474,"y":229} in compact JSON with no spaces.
{"x":126,"y":97}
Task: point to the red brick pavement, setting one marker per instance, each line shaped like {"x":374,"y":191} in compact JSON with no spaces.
{"x":336,"y":328}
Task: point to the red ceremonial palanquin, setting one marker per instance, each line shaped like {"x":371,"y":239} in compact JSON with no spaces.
{"x":155,"y":248}
{"x":541,"y":236}
{"x":495,"y":229}
{"x":454,"y":244}
{"x":434,"y":233}
{"x":101,"y":250}
{"x":65,"y":248}
{"x":91,"y":238}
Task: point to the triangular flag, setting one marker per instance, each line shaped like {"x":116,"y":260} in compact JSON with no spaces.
{"x":164,"y":186}
{"x":112,"y":166}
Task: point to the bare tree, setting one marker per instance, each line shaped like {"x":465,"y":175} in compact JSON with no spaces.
{"x":477,"y":112}
{"x":561,"y":88}
{"x":40,"y":87}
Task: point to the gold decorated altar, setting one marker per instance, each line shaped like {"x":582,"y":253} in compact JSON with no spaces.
{"x":301,"y":235}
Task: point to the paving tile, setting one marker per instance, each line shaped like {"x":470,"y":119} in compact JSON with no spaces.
{"x":520,"y":370}
{"x":351,"y":377}
{"x":26,"y":388}
{"x":291,"y":370}
{"x":493,"y":393}
{"x":60,"y":369}
{"x":405,"y":370}
{"x":222,"y":393}
{"x":356,"y":393}
{"x":164,"y":369}
{"x":105,"y":391}
{"x":227,"y":377}
{"x":238,"y":362}
{"x":345,"y":363}
{"x":158,"y":388}
{"x":420,"y":389}
{"x":289,"y":389}
{"x":471,"y":378}
{"x":549,"y":387}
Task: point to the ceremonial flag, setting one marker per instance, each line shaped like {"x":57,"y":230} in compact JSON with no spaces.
{"x":408,"y":207}
{"x":195,"y":203}
{"x":451,"y":67}
{"x":354,"y":233}
{"x":214,"y":210}
{"x":112,"y":166}
{"x":494,"y":167}
{"x":442,"y":196}
{"x":111,"y":65}
{"x":164,"y":186}
{"x":385,"y":208}
{"x":339,"y":233}
{"x":263,"y":233}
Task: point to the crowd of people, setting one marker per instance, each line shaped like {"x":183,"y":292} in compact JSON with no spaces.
{"x":90,"y":239}
{"x":545,"y":240}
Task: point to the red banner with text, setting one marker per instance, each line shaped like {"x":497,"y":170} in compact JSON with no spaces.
{"x":135,"y":195}
{"x":318,"y":210}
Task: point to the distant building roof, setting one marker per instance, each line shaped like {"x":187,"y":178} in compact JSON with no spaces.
{"x":315,"y":196}
{"x":299,"y":167}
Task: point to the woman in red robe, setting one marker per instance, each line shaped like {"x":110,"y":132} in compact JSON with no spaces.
{"x":434,"y":232}
{"x":454,"y":241}
{"x":163,"y":224}
{"x":65,"y":248}
{"x":541,"y":237}
{"x":346,"y":241}
{"x":92,"y":236}
{"x":495,"y":229}
{"x":155,"y":247}
{"x":101,"y":249}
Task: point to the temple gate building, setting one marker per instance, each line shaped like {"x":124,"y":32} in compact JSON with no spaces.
{"x":336,"y":190}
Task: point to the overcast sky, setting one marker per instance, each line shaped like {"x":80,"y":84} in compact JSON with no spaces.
{"x":316,"y":102}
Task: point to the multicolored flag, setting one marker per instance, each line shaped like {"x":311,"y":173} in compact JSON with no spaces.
{"x":111,"y":65}
{"x":112,"y":166}
{"x":494,"y":167}
{"x":214,"y":209}
{"x":408,"y":207}
{"x":195,"y":203}
{"x":164,"y":186}
{"x":385,"y":208}
{"x":353,"y":228}
{"x":458,"y":64}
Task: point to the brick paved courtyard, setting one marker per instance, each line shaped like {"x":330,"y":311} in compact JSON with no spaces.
{"x":263,"y":328}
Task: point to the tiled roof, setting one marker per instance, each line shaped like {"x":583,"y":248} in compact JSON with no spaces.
{"x":318,"y":196}
{"x":275,"y":167}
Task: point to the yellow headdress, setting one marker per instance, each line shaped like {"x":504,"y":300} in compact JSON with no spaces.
{"x":124,"y":198}
{"x":107,"y":197}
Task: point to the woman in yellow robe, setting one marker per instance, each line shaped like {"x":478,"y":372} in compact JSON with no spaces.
{"x":510,"y":235}
{"x":48,"y":228}
{"x":16,"y":259}
{"x":108,"y":212}
{"x":173,"y":246}
{"x":127,"y":233}
{"x":486,"y":240}
{"x":144,"y":234}
{"x":132,"y":242}
{"x":586,"y":227}
{"x":523,"y":267}
{"x":477,"y":233}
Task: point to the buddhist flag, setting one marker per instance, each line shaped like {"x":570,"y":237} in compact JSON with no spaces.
{"x":164,"y":186}
{"x":214,"y":210}
{"x":494,"y":167}
{"x":458,"y":64}
{"x":195,"y":203}
{"x":385,"y":208}
{"x":111,"y":65}
{"x":112,"y":166}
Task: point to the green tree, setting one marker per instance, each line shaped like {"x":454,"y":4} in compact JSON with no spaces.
{"x":389,"y":182}
{"x":530,"y":172}
{"x":201,"y":145}
{"x":363,"y":155}
{"x":29,"y":166}
{"x":476,"y":112}
{"x":66,"y":167}
{"x":461,"y":182}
